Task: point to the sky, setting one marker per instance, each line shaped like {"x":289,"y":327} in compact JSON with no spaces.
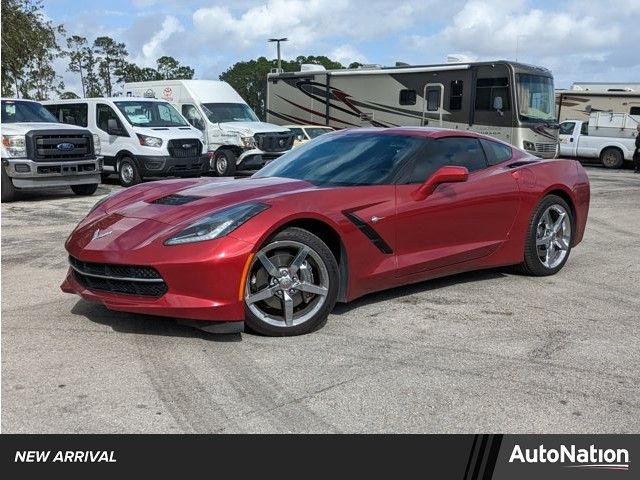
{"x":578,"y":41}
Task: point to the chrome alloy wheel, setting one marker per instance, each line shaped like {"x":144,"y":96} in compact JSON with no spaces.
{"x":287,"y":284}
{"x":221,"y":164}
{"x":553,"y":236}
{"x":126,"y":173}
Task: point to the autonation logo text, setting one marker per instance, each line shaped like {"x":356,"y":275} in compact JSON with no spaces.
{"x":592,"y":457}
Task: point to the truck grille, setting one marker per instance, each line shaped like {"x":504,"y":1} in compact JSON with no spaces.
{"x":545,"y":147}
{"x":183,"y":148}
{"x":59,"y":145}
{"x":274,"y":142}
{"x":121,"y":279}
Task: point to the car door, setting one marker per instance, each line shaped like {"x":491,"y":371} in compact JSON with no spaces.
{"x":458,"y":222}
{"x":568,"y":142}
{"x":110,"y":144}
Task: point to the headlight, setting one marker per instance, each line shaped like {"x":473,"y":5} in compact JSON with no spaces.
{"x":529,"y":146}
{"x":96,"y":144}
{"x":247,"y":142}
{"x":147,"y":141}
{"x":15,"y":145}
{"x":218,"y":225}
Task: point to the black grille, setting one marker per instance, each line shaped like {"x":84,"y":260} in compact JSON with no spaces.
{"x":184,"y":148}
{"x":59,"y":145}
{"x":274,"y":142}
{"x":125,"y":279}
{"x":176,"y":199}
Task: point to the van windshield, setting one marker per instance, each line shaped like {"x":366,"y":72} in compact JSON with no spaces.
{"x":151,"y":114}
{"x":16,"y":111}
{"x":229,"y":112}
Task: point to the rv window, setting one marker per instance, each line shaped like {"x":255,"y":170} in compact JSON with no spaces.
{"x":487,"y":89}
{"x":496,"y":152}
{"x":455,"y":95}
{"x":452,"y":151}
{"x":407,"y":97}
{"x":634,"y":111}
{"x":433,"y":100}
{"x":73,"y":114}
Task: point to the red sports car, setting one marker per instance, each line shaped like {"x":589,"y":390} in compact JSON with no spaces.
{"x":347,"y":214}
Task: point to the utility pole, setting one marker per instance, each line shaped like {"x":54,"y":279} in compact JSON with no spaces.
{"x":278,"y":40}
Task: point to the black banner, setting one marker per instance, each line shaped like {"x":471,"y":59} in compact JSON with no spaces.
{"x":461,"y":457}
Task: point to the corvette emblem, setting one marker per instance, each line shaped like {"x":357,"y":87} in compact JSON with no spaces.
{"x":98,"y":234}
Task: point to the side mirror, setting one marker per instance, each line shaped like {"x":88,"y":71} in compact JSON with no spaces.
{"x":497,"y":103}
{"x":299,"y":138}
{"x":112,"y":127}
{"x":442,"y":175}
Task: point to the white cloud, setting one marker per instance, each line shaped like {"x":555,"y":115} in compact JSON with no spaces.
{"x":152,"y":49}
{"x":346,"y":54}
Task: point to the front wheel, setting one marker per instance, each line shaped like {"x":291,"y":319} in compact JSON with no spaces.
{"x":612,"y":158}
{"x":292,"y":285}
{"x":224,"y":163}
{"x":128,"y":172}
{"x":549,"y":237}
{"x":88,"y":189}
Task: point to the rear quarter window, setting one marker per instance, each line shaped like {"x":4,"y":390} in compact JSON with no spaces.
{"x":496,"y":152}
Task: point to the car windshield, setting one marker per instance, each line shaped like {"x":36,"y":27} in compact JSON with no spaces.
{"x":536,"y":98}
{"x":151,"y":114}
{"x":229,"y":112}
{"x":346,"y":159}
{"x":314,"y":132}
{"x":17,"y":111}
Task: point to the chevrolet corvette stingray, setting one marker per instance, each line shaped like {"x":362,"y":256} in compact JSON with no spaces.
{"x":347,"y":214}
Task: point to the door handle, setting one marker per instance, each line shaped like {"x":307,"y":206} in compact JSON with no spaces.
{"x":375,"y":219}
{"x":571,"y":139}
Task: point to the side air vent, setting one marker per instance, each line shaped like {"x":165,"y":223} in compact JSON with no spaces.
{"x":521,"y":163}
{"x":175,"y":199}
{"x":369,"y":232}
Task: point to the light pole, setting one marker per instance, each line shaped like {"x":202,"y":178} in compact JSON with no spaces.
{"x":278,"y":40}
{"x":517,"y":45}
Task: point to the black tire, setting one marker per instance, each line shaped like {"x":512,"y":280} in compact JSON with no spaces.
{"x":8,"y":190}
{"x":611,"y":157}
{"x":316,"y":320}
{"x":128,"y":172}
{"x":533,"y":264}
{"x":87,"y":189}
{"x":104,"y":176}
{"x":224,"y":163}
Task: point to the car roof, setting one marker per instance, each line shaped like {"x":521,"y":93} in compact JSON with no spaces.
{"x":430,"y":132}
{"x":308,"y":126}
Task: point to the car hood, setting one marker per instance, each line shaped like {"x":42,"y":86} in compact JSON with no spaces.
{"x":252,"y":127}
{"x":20,"y":128}
{"x":174,"y":202}
{"x":169,"y":133}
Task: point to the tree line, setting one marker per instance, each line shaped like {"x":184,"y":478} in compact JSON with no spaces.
{"x":31,"y":43}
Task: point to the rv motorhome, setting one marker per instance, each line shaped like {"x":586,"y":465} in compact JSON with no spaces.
{"x":578,"y":102}
{"x":511,"y":101}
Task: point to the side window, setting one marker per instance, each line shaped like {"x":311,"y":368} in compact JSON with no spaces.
{"x":169,"y":115}
{"x":496,"y":152}
{"x":191,"y":113}
{"x":488,"y":89}
{"x":72,"y":114}
{"x":452,"y":151}
{"x":104,"y":113}
{"x":407,"y":97}
{"x":634,"y":111}
{"x":566,"y":128}
{"x":433,"y":100}
{"x":297,"y":132}
{"x":584,"y":129}
{"x":455,"y":95}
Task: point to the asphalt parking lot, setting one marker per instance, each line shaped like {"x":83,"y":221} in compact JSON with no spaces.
{"x":485,"y":351}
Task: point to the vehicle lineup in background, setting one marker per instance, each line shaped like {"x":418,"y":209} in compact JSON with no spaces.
{"x":39,"y":152}
{"x":236,"y":139}
{"x":510,"y":101}
{"x":140,"y":137}
{"x":352,"y":212}
{"x":608,"y":137}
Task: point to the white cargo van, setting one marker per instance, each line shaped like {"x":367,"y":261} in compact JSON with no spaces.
{"x":237,"y":140}
{"x":140,"y":137}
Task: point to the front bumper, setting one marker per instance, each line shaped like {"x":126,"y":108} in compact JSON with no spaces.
{"x":203,"y":279}
{"x":164,"y":165}
{"x":255,"y":159}
{"x":27,"y":174}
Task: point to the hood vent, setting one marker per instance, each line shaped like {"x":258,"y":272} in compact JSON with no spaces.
{"x":175,"y":199}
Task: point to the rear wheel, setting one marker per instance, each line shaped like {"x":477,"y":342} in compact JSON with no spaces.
{"x":611,"y":158}
{"x":88,"y":189}
{"x":128,"y":172}
{"x":8,"y":190}
{"x":549,"y":237}
{"x":224,"y":163}
{"x":292,"y":285}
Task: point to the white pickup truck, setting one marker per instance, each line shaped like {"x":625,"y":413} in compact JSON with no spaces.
{"x":605,"y":137}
